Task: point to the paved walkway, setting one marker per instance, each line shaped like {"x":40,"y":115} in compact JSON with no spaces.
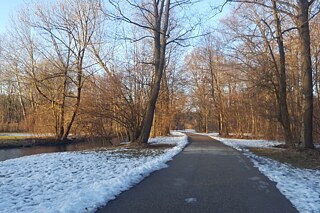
{"x":206,"y":177}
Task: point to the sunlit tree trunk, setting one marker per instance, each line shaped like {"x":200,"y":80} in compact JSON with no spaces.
{"x":161,"y":20}
{"x":282,"y":94}
{"x":306,"y":68}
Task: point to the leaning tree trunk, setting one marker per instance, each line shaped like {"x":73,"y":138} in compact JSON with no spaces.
{"x":62,"y":110}
{"x":306,"y":68}
{"x":149,"y":114}
{"x":161,"y":17}
{"x":282,"y":91}
{"x":78,"y":99}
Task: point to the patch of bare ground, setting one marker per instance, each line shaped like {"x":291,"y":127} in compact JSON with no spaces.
{"x":26,"y":142}
{"x":147,"y":146}
{"x":30,"y":142}
{"x":138,"y":150}
{"x":301,"y":158}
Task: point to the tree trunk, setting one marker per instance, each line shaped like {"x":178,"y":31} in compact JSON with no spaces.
{"x":23,"y":105}
{"x":62,"y":108}
{"x":160,"y":32}
{"x":78,"y":98}
{"x":306,"y":68}
{"x":282,"y":95}
{"x":280,"y":73}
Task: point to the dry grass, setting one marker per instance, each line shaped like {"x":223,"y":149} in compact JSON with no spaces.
{"x":147,"y":146}
{"x":14,"y":141}
{"x":309,"y":159}
{"x":5,"y":144}
{"x":29,"y":142}
{"x":9,"y":137}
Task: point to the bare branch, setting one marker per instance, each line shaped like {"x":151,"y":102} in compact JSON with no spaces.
{"x":264,"y":5}
{"x":123,"y":17}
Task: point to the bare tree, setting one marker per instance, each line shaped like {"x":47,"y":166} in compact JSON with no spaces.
{"x":300,"y":13}
{"x":252,"y":47}
{"x":155,"y":19}
{"x":57,"y":54}
{"x":279,"y":68}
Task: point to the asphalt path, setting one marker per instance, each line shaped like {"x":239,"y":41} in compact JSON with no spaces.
{"x":207,"y":176}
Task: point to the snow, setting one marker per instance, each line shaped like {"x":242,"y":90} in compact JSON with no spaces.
{"x":190,"y":200}
{"x":17,"y":134}
{"x":300,"y":186}
{"x":189,"y":130}
{"x":78,"y":181}
{"x":241,"y":144}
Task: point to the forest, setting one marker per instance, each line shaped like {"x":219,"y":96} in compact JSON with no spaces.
{"x":134,"y":69}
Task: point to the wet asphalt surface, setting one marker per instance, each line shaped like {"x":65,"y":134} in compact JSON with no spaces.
{"x":207,"y":176}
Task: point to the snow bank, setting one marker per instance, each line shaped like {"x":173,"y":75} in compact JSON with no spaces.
{"x":17,"y":134}
{"x":300,"y":186}
{"x":241,"y":144}
{"x":188,"y":130}
{"x":78,"y":181}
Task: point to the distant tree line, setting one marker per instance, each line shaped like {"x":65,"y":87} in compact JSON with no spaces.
{"x":260,"y":74}
{"x":94,"y":68}
{"x":127,"y":69}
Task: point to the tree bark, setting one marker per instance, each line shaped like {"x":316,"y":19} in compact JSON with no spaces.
{"x":282,"y":95}
{"x":160,"y":32}
{"x":306,"y":68}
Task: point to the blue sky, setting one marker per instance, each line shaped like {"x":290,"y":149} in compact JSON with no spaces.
{"x":10,"y":7}
{"x":6,"y":10}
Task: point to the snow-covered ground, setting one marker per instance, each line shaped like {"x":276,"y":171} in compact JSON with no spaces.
{"x":28,"y":135}
{"x":300,"y":186}
{"x":17,"y":134}
{"x":78,"y":181}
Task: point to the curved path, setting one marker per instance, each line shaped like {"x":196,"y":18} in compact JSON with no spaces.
{"x":207,"y":176}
